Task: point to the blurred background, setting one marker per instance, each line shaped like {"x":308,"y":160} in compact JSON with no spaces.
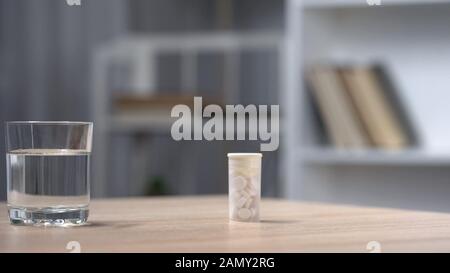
{"x":363,"y":91}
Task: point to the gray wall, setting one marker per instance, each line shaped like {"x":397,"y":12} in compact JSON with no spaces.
{"x":45,"y":49}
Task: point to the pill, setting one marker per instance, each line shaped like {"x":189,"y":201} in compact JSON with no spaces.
{"x":244,"y":214}
{"x":235,"y":195}
{"x":241,"y":202}
{"x":244,"y":194}
{"x":239,"y":183}
{"x":252,"y":189}
{"x":248,"y":203}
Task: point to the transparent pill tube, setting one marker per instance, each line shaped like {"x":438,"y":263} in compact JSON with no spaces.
{"x":244,"y":186}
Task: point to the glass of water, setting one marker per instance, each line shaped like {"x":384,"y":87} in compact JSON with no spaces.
{"x":48,"y":172}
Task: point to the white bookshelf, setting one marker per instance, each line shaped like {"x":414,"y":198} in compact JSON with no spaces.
{"x":409,"y":37}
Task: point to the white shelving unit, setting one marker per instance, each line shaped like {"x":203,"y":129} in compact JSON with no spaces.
{"x":410,"y":38}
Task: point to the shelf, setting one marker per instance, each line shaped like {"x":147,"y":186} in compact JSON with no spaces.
{"x":329,"y":156}
{"x":197,"y":42}
{"x":363,"y":3}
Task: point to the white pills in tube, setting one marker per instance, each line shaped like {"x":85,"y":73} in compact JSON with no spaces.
{"x":244,"y":186}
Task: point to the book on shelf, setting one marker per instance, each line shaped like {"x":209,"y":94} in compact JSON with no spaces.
{"x":360,"y":107}
{"x":154,"y":103}
{"x":399,"y":107}
{"x":150,"y":109}
{"x":375,"y":109}
{"x":340,"y":120}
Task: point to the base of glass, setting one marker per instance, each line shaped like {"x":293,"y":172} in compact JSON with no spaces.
{"x":48,"y":216}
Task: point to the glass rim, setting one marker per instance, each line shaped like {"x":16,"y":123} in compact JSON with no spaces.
{"x":50,"y":122}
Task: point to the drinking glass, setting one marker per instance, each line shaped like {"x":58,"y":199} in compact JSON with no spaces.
{"x":47,"y":165}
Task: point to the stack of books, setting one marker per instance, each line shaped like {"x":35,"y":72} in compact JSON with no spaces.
{"x":359,"y":107}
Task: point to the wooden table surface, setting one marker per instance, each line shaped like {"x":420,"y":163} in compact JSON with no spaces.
{"x":200,"y":224}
